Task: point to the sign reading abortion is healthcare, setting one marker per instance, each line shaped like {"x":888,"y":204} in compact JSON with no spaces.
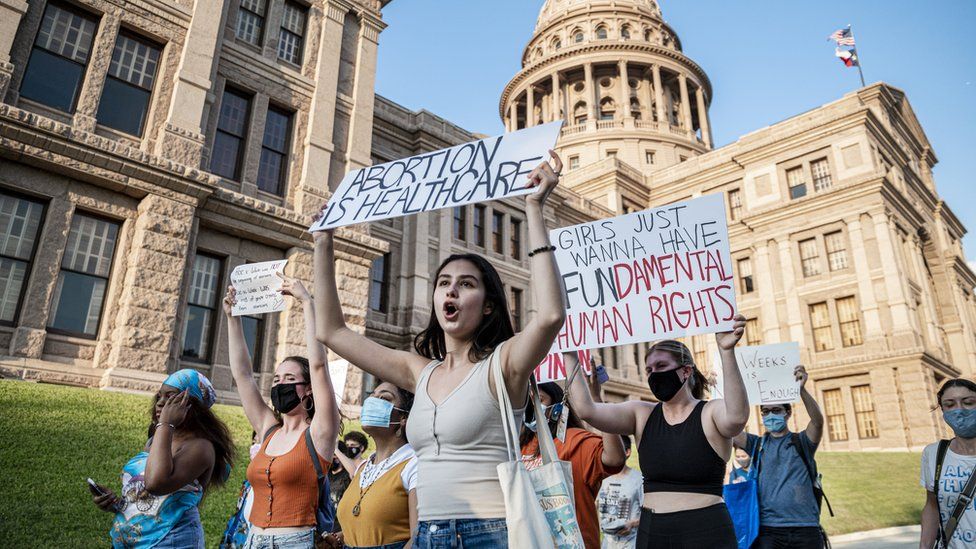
{"x":490,"y":169}
{"x":645,"y":276}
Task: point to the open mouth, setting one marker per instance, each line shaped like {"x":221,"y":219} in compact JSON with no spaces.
{"x":451,"y":311}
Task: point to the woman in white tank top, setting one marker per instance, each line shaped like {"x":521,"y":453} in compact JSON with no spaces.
{"x":455,"y":424}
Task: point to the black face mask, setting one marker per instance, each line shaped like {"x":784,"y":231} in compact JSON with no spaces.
{"x":284,"y":397}
{"x":353,"y":451}
{"x":664,"y":385}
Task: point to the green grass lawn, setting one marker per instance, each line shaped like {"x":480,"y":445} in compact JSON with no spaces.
{"x":52,"y":437}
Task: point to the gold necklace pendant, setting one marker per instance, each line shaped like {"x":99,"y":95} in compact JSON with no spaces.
{"x":355,"y":510}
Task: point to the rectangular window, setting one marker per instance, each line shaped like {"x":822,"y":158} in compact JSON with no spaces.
{"x":821,"y":174}
{"x":59,"y":57}
{"x":753,"y":333}
{"x":231,"y":136}
{"x":124,"y":105}
{"x":745,"y":276}
{"x":479,"y":225}
{"x":649,"y":157}
{"x":250,"y":21}
{"x":820,"y":321}
{"x":254,"y":339}
{"x":735,"y":204}
{"x":274,"y":151}
{"x":809,"y":257}
{"x":20,"y":223}
{"x":290,"y":41}
{"x":379,"y":283}
{"x":612,"y":154}
{"x":460,"y":223}
{"x":867,"y":422}
{"x":836,"y":250}
{"x":516,"y":239}
{"x":516,"y":306}
{"x":573,"y":162}
{"x":201,"y":308}
{"x":836,"y":418}
{"x":850,"y":323}
{"x":85,"y":268}
{"x":497,"y":222}
{"x":794,"y":179}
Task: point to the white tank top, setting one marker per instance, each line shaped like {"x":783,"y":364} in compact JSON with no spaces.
{"x":459,"y":445}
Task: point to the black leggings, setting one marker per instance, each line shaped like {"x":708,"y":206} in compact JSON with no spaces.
{"x":709,"y":527}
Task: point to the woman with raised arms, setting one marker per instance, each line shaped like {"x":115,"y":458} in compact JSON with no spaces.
{"x":455,"y":425}
{"x":683,"y":442}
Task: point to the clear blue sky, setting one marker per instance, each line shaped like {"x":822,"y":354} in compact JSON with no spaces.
{"x":767,"y":59}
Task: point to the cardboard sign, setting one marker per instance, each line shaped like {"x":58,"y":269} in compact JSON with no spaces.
{"x":657,"y":274}
{"x":555,"y":368}
{"x":489,"y":169}
{"x":257,"y":288}
{"x":767,"y":371}
{"x":338,"y":370}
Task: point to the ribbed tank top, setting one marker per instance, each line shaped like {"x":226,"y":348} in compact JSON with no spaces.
{"x":459,"y":445}
{"x":678,"y":458}
{"x":285,"y":487}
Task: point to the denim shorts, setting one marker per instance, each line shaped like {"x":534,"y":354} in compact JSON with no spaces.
{"x":295,"y":540}
{"x":462,"y":534}
{"x":187,"y":533}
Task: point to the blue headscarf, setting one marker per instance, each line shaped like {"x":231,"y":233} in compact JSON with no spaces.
{"x":195,"y":383}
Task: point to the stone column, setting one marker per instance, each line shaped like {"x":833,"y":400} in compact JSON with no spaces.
{"x":624,"y":87}
{"x":865,"y":286}
{"x":662,"y":117}
{"x":513,"y":113}
{"x":139,"y":351}
{"x":685,"y":103}
{"x":703,"y":117}
{"x":645,"y":93}
{"x":361,"y":123}
{"x":530,"y":106}
{"x":764,"y":281}
{"x":555,"y":110}
{"x":91,"y":87}
{"x":590,"y":94}
{"x":181,"y":137}
{"x":11,"y":12}
{"x":794,"y":316}
{"x":894,"y":283}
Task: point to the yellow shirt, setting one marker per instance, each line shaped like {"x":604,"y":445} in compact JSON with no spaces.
{"x":384,"y":512}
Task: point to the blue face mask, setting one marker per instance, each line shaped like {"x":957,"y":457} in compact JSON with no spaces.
{"x":557,"y":410}
{"x":774,"y":423}
{"x":962,"y":421}
{"x":376,"y":412}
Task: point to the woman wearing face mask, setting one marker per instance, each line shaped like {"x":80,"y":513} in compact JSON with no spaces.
{"x":355,"y":444}
{"x":683,"y":443}
{"x":189,"y":451}
{"x":957,"y":399}
{"x":282,"y":475}
{"x":740,"y":471}
{"x":379,"y":510}
{"x":456,"y":428}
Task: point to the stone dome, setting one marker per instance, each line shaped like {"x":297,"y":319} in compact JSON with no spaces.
{"x":553,"y":9}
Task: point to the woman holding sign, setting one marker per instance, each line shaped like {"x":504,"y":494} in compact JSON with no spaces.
{"x":683,"y":442}
{"x":282,"y":474}
{"x":456,"y":424}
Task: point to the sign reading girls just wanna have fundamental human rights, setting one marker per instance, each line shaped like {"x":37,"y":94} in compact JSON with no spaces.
{"x":479,"y":171}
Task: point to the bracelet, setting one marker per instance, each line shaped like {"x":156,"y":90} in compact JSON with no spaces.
{"x":542,"y":250}
{"x":170,"y":425}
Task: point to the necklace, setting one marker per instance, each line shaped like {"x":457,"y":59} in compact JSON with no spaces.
{"x":370,"y":478}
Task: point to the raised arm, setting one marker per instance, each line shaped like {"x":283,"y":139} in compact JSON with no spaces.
{"x":618,"y":419}
{"x":731,"y":413}
{"x":814,"y":429}
{"x":256,"y":408}
{"x":532,"y":344}
{"x":167,"y":472}
{"x":614,"y":455}
{"x":325,"y":423}
{"x":398,"y":367}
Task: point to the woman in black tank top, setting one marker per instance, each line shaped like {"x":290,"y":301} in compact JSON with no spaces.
{"x":683,"y":443}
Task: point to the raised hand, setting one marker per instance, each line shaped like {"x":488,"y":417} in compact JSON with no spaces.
{"x":229,"y":300}
{"x":727,"y":340}
{"x":327,"y":233}
{"x":175,"y":410}
{"x":294,"y":287}
{"x":545,"y":177}
{"x":801,"y":375}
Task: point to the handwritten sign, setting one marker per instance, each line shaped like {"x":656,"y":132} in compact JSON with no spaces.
{"x":645,"y":276}
{"x":489,"y":169}
{"x":554,"y":368}
{"x":767,"y":371}
{"x":338,"y":370}
{"x":257,"y":288}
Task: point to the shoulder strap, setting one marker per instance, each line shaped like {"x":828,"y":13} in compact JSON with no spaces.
{"x":270,"y":430}
{"x":812,"y":471}
{"x":314,"y":455}
{"x":547,"y":448}
{"x":509,"y":426}
{"x":965,"y":498}
{"x":939,"y":458}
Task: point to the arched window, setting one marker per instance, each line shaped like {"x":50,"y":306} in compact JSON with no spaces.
{"x":648,"y":35}
{"x":635,"y":108}
{"x":556,"y":44}
{"x":625,"y":33}
{"x":579,"y":113}
{"x":578,"y":36}
{"x":601,"y":33}
{"x":607,"y":108}
{"x":537,"y":54}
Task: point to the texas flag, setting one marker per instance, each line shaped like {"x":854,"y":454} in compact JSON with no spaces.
{"x":848,"y":57}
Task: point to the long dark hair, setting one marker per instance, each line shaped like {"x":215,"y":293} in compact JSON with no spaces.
{"x":682,"y":355}
{"x":308,"y":402}
{"x":495,"y":327}
{"x":555,"y":393}
{"x":957,"y":382}
{"x":203,"y":423}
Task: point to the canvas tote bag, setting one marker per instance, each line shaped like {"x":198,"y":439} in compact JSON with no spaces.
{"x":539,"y":507}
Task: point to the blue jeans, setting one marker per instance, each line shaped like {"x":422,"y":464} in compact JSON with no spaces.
{"x":296,"y":540}
{"x":396,"y":545}
{"x":187,"y":533}
{"x":462,"y":534}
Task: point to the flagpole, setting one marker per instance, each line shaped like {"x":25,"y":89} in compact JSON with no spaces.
{"x":857,"y":56}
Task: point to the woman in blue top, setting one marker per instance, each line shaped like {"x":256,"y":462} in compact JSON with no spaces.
{"x":189,"y":450}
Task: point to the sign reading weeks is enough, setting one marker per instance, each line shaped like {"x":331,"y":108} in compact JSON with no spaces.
{"x":767,"y":371}
{"x":489,"y":169}
{"x":656,"y":274}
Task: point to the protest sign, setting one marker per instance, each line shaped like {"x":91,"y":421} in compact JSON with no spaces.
{"x":554,"y":368}
{"x":489,"y":169}
{"x":767,"y":371}
{"x":337,"y":372}
{"x":256,"y":286}
{"x":645,"y":276}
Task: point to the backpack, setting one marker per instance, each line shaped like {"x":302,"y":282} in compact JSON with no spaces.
{"x":325,"y":510}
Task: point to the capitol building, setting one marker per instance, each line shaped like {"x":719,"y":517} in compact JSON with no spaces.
{"x":147,"y":148}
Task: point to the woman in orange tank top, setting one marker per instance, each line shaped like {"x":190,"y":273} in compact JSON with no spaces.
{"x":282,"y":473}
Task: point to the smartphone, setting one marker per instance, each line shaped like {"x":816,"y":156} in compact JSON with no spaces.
{"x":601,"y":374}
{"x":94,"y":488}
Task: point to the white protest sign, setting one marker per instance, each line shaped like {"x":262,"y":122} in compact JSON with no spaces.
{"x":554,"y":368}
{"x":657,"y":274}
{"x":767,"y":371}
{"x":337,"y":372}
{"x":256,"y":286}
{"x":489,"y":169}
